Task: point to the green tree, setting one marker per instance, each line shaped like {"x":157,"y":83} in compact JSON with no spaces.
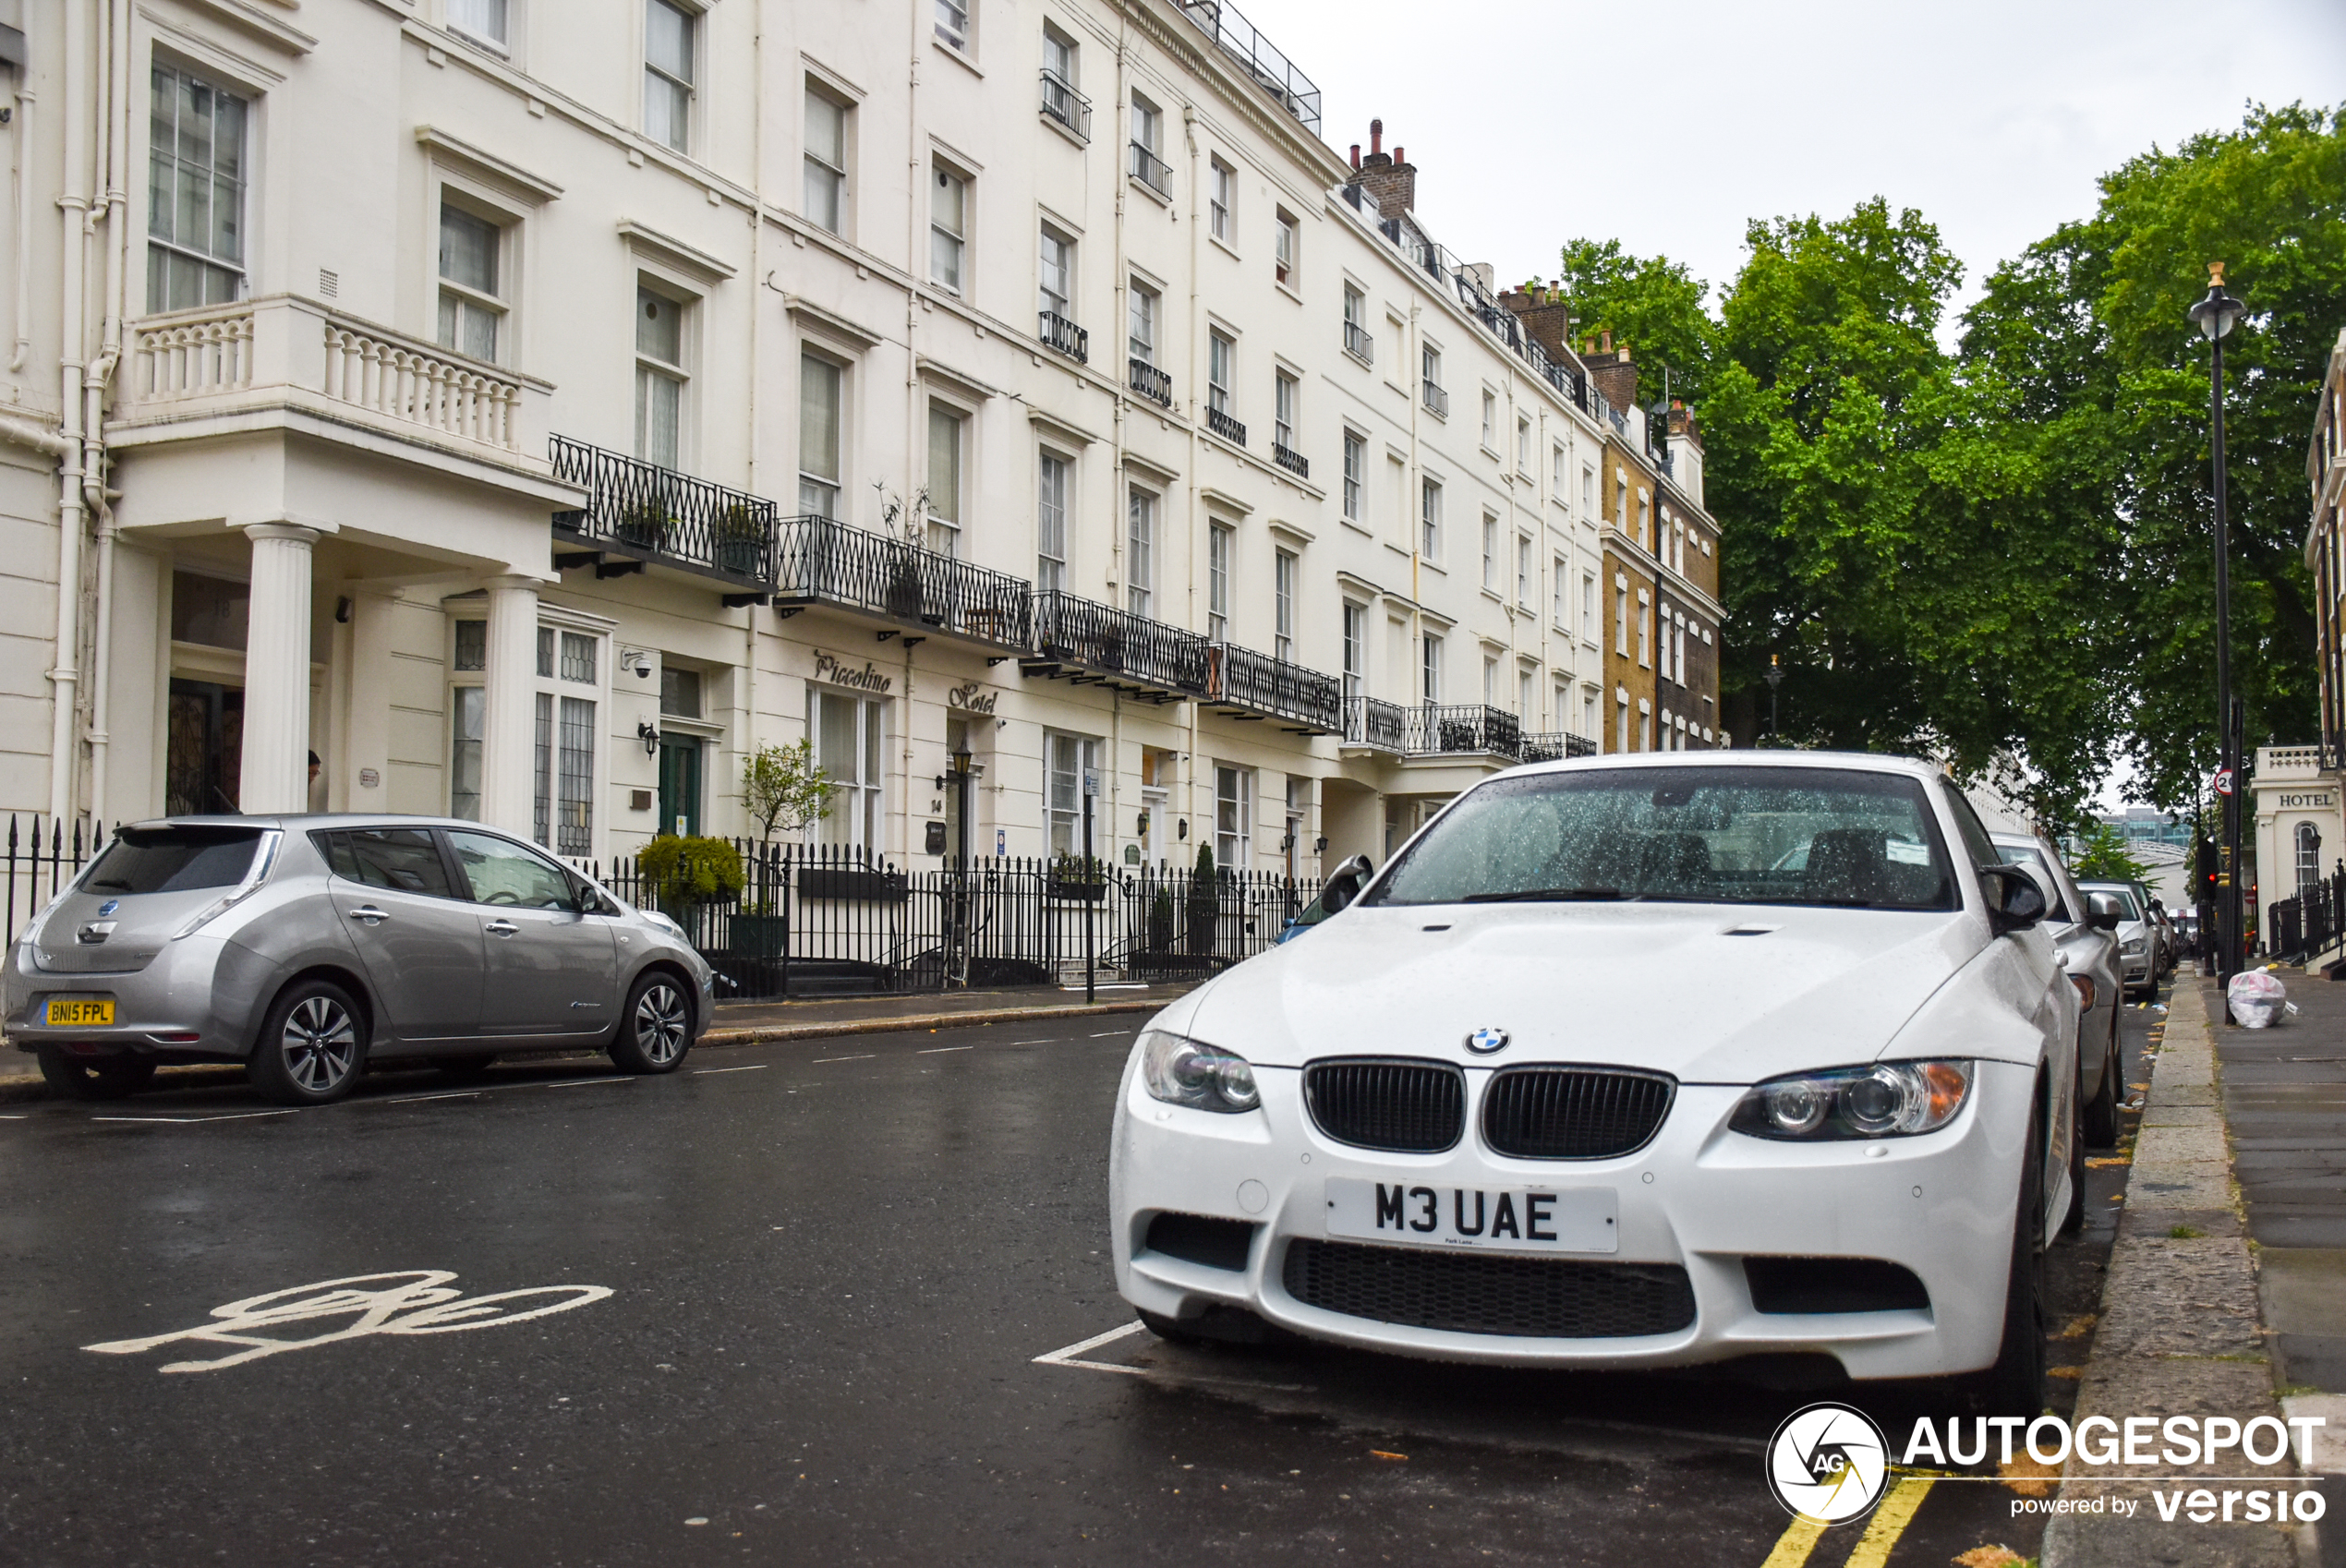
{"x":1650,"y":303}
{"x":783,"y":790}
{"x":2102,"y":857}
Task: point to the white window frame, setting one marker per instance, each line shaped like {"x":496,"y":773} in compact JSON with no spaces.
{"x":1221,"y":547}
{"x":1221,"y":371}
{"x":1060,"y":302}
{"x":652,"y":373}
{"x":1429,"y":518}
{"x":1285,"y":388}
{"x":1355,"y":476}
{"x":1523,"y":570}
{"x":1233,"y":803}
{"x":1356,"y":649}
{"x":1221,"y":206}
{"x":1063,"y":793}
{"x":1285,"y":568}
{"x":487,"y":22}
{"x":818,"y":493}
{"x":947,"y":513}
{"x":1490,"y":552}
{"x":1430,"y":668}
{"x":1140,"y":549}
{"x":679,"y":137}
{"x":858,"y":817}
{"x":460,"y":302}
{"x":1141,"y":320}
{"x":955,"y":25}
{"x":1051,"y":502}
{"x":1286,"y":249}
{"x":949,"y":247}
{"x":820,"y":170}
{"x":230,"y":271}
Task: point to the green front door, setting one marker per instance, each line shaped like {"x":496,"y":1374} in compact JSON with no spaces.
{"x":680,"y":786}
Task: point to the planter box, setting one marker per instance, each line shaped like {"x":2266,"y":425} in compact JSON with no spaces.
{"x":863,"y":887}
{"x":760,"y":936}
{"x":1081,"y":892}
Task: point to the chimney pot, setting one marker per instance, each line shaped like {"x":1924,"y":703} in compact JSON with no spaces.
{"x":1356,"y":154}
{"x":1376,"y":136}
{"x":1604,"y":341}
{"x":1400,"y":153}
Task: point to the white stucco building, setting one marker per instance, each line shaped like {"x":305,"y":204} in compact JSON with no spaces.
{"x":530,"y":408}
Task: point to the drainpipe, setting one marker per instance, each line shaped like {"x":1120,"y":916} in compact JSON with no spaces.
{"x":1197,"y":417}
{"x":24,"y":226}
{"x":94,"y":466}
{"x":65,"y":675}
{"x":748,"y":746}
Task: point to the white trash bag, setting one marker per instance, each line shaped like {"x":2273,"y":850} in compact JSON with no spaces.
{"x":2257,"y":999}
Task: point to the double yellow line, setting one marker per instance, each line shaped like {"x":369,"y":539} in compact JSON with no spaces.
{"x":1872,"y":1550}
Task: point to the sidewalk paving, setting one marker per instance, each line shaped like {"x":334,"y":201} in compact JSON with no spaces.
{"x":748,"y":1023}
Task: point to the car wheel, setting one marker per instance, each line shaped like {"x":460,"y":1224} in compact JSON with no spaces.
{"x":94,"y":1078}
{"x":465,"y":1067}
{"x":2072,"y":1220}
{"x":313,"y":1046}
{"x":2102,"y":1110}
{"x":657,"y":1029}
{"x":2016,"y":1384}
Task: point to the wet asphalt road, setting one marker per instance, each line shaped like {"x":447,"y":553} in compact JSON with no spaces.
{"x":831,"y":1267}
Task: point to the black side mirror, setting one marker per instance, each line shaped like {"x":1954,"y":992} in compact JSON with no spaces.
{"x":1346,"y":883}
{"x":2014,"y":901}
{"x":2103,"y":910}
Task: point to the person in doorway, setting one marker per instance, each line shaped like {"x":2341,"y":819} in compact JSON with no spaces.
{"x":317,"y":791}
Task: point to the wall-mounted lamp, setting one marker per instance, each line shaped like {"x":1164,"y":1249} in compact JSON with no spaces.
{"x":1182,"y":825}
{"x":1287,"y":842}
{"x":342,"y":610}
{"x":1321,"y":844}
{"x":649,"y":736}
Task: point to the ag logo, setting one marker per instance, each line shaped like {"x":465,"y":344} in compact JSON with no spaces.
{"x":1487,"y":1042}
{"x":1828,"y":1464}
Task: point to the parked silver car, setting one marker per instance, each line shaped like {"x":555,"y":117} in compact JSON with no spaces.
{"x":2082,"y":930}
{"x":302,"y":946}
{"x":2140,"y":959}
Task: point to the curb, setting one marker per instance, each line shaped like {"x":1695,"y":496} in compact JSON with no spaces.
{"x":17,"y":1088}
{"x":2179,"y":1331}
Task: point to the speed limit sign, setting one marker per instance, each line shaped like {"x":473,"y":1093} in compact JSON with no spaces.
{"x":2222,"y":782}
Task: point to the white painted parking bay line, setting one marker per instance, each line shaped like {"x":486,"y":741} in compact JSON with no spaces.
{"x":231,"y":1117}
{"x":704,"y":1072}
{"x":867,"y":1056}
{"x":934,"y":1049}
{"x":1070,"y":1355}
{"x":575,"y":1082}
{"x":452,"y":1094}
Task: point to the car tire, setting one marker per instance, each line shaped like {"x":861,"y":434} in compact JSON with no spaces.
{"x":2015,"y":1385}
{"x":656,"y":1028}
{"x":94,"y":1078}
{"x":2101,"y":1109}
{"x":2073,"y":1219}
{"x":312,"y":1047}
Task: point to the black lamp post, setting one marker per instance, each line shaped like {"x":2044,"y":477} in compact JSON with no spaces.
{"x":1775,"y":682}
{"x":2216,"y":316}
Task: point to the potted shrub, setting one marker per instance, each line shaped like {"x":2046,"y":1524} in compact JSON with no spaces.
{"x":1204,"y":904}
{"x":783,"y":792}
{"x":1082,"y":877}
{"x":737,"y":542}
{"x":1160,"y":929}
{"x":684,"y":874}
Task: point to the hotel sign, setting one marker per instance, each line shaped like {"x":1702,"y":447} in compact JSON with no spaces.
{"x":868,"y":679}
{"x":2318,"y":801}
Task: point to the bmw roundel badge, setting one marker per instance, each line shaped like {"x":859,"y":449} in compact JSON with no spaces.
{"x":1487,"y":1042}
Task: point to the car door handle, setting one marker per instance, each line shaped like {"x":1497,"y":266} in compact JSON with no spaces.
{"x":501,"y":928}
{"x":370,"y":914}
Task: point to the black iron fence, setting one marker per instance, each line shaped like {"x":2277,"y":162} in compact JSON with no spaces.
{"x":823,"y":561}
{"x":653,"y":513}
{"x":2307,"y":924}
{"x":43,"y":855}
{"x":827,"y":920}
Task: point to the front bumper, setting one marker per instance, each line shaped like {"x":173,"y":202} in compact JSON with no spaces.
{"x":1697,"y":1196}
{"x":181,"y":1006}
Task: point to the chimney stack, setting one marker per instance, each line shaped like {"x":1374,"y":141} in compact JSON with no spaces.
{"x":1385,"y":179}
{"x":1613,"y":373}
{"x":1545,"y":316}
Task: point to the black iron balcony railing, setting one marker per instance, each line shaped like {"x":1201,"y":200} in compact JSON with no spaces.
{"x":1553,"y":746}
{"x":1151,"y":383}
{"x":1269,"y":70}
{"x":1368,"y":722}
{"x":1359,"y":343}
{"x":650,"y":513}
{"x":1437,"y":401}
{"x":1152,"y":171}
{"x":1222,"y":425}
{"x":1069,"y":107}
{"x":826,"y":562}
{"x":1114,"y":648}
{"x":1458,"y":729}
{"x":1066,"y":336}
{"x":1242,"y":678}
{"x":1291,"y":460}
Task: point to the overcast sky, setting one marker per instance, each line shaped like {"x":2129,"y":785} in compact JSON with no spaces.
{"x":1668,"y":126}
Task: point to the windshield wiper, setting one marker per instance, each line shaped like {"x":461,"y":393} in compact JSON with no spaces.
{"x":1546,"y":895}
{"x":110,"y":882}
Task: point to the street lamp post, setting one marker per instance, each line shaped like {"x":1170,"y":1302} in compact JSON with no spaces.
{"x":1775,"y":682}
{"x":2215,"y":316}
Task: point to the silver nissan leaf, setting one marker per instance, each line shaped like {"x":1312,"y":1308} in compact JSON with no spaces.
{"x":304,"y":947}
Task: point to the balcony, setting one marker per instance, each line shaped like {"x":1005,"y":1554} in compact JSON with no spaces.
{"x":1458,"y":729}
{"x":1222,"y":425}
{"x":1269,"y":70}
{"x":1090,"y":644}
{"x":645,"y":514}
{"x":1151,"y":383}
{"x":1553,"y":746}
{"x":1261,"y":687}
{"x":1437,"y":401}
{"x":1379,"y":724}
{"x":1064,"y":335}
{"x":1067,"y":108}
{"x":1152,"y":171}
{"x":1358,"y":342}
{"x":1291,"y":460}
{"x":821,"y":560}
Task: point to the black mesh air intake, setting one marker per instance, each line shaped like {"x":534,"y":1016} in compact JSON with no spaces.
{"x":1489,"y":1293}
{"x":1387,"y":1102}
{"x":1538,"y":1112}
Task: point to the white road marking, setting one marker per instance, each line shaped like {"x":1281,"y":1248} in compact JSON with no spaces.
{"x":934,"y":1049}
{"x":416,"y":1301}
{"x":1070,"y":1355}
{"x":12,"y":1117}
{"x":575,"y":1082}
{"x":1112,"y":1034}
{"x":230,"y":1117}
{"x":704,"y":1072}
{"x":452,"y":1094}
{"x":866,"y":1057}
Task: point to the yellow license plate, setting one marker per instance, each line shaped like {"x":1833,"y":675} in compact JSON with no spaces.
{"x":79,"y":1014}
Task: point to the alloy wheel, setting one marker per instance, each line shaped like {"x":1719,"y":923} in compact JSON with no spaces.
{"x":319,"y":1044}
{"x":660,"y":1024}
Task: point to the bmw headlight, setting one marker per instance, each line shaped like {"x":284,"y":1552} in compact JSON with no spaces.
{"x":1188,"y":1072}
{"x":1886,"y":1099}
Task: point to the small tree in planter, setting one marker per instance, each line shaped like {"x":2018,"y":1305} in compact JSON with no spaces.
{"x":1205,"y":904}
{"x":783,"y":792}
{"x":683,"y":874}
{"x":737,"y":541}
{"x":1078,"y":877}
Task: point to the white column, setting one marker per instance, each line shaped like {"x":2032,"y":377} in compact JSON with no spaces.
{"x":508,"y":724}
{"x":365,"y":732}
{"x":275,"y":769}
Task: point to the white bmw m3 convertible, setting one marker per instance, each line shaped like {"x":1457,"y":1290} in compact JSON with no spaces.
{"x":1630,"y":1062}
